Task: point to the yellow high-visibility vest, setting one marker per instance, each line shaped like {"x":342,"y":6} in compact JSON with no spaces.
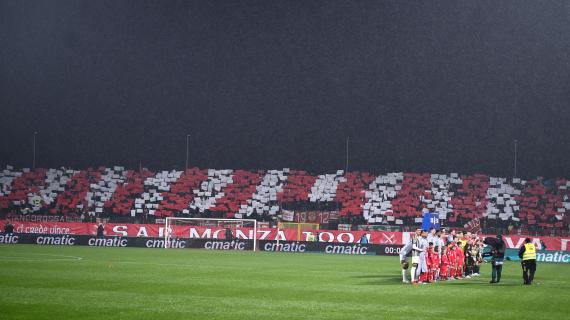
{"x":529,"y":251}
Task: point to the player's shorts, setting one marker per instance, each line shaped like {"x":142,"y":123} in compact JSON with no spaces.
{"x":416,"y":260}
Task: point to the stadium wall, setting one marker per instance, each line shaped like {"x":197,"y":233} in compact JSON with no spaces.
{"x":239,"y":245}
{"x":208,"y":244}
{"x":195,"y":232}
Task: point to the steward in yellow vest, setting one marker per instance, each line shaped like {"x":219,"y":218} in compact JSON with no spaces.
{"x":527,"y":253}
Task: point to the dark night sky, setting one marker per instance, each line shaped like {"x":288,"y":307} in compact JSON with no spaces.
{"x":430,"y":86}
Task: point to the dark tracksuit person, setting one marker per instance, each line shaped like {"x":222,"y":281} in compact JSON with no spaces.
{"x":8,"y":228}
{"x":100,"y":230}
{"x":229,"y":234}
{"x":498,"y":248}
{"x":527,"y":253}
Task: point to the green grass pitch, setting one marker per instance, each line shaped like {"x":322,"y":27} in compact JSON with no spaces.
{"x":40,"y":282}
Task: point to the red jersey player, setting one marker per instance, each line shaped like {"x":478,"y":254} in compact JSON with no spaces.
{"x":459,"y":258}
{"x":444,"y":269}
{"x":435,"y":261}
{"x":427,"y":276}
{"x":451,"y":253}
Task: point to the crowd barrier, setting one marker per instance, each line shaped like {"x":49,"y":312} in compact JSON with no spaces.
{"x":157,"y":231}
{"x":241,"y":245}
{"x":208,"y":244}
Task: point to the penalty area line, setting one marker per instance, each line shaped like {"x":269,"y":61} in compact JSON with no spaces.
{"x":39,"y":257}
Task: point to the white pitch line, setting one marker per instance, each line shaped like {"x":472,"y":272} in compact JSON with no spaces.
{"x":30,"y":257}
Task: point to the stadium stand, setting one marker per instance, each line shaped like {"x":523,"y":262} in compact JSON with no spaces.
{"x":297,"y":188}
{"x":264,"y":199}
{"x":211,"y":189}
{"x":180,"y":195}
{"x":237,"y":193}
{"x":351,"y":193}
{"x":470,"y":197}
{"x":539,"y":206}
{"x":380,"y":194}
{"x":123,"y":200}
{"x":102,"y":191}
{"x":324,"y":188}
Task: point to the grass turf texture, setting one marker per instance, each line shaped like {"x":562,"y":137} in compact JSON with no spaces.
{"x":51,"y":282}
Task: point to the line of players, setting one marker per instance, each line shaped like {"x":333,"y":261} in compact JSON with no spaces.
{"x":438,"y":256}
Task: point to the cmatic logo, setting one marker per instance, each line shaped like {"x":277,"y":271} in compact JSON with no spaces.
{"x":285,"y":247}
{"x":346,"y":249}
{"x":224,"y":245}
{"x":9,"y":239}
{"x":174,"y":244}
{"x":559,"y":257}
{"x":107,"y":242}
{"x":55,"y":240}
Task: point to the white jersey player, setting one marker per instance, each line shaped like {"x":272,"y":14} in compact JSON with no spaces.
{"x":403,"y":253}
{"x":432,"y":236}
{"x":406,"y":249}
{"x":419,"y":247}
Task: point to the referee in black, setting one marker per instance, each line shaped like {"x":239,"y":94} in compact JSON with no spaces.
{"x":527,"y":253}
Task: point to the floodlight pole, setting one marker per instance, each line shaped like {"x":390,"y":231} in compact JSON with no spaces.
{"x":34,"y":153}
{"x":346,"y":168}
{"x":516,"y":142}
{"x":187,"y":137}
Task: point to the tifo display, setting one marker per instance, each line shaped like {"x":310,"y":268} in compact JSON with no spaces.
{"x":361,"y":198}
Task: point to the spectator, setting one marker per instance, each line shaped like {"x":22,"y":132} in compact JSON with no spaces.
{"x":8,"y":228}
{"x":451,"y":236}
{"x":542,"y":245}
{"x":229,"y":234}
{"x":100,"y":230}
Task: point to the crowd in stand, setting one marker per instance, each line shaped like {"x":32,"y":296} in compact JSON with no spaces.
{"x":514,"y":205}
